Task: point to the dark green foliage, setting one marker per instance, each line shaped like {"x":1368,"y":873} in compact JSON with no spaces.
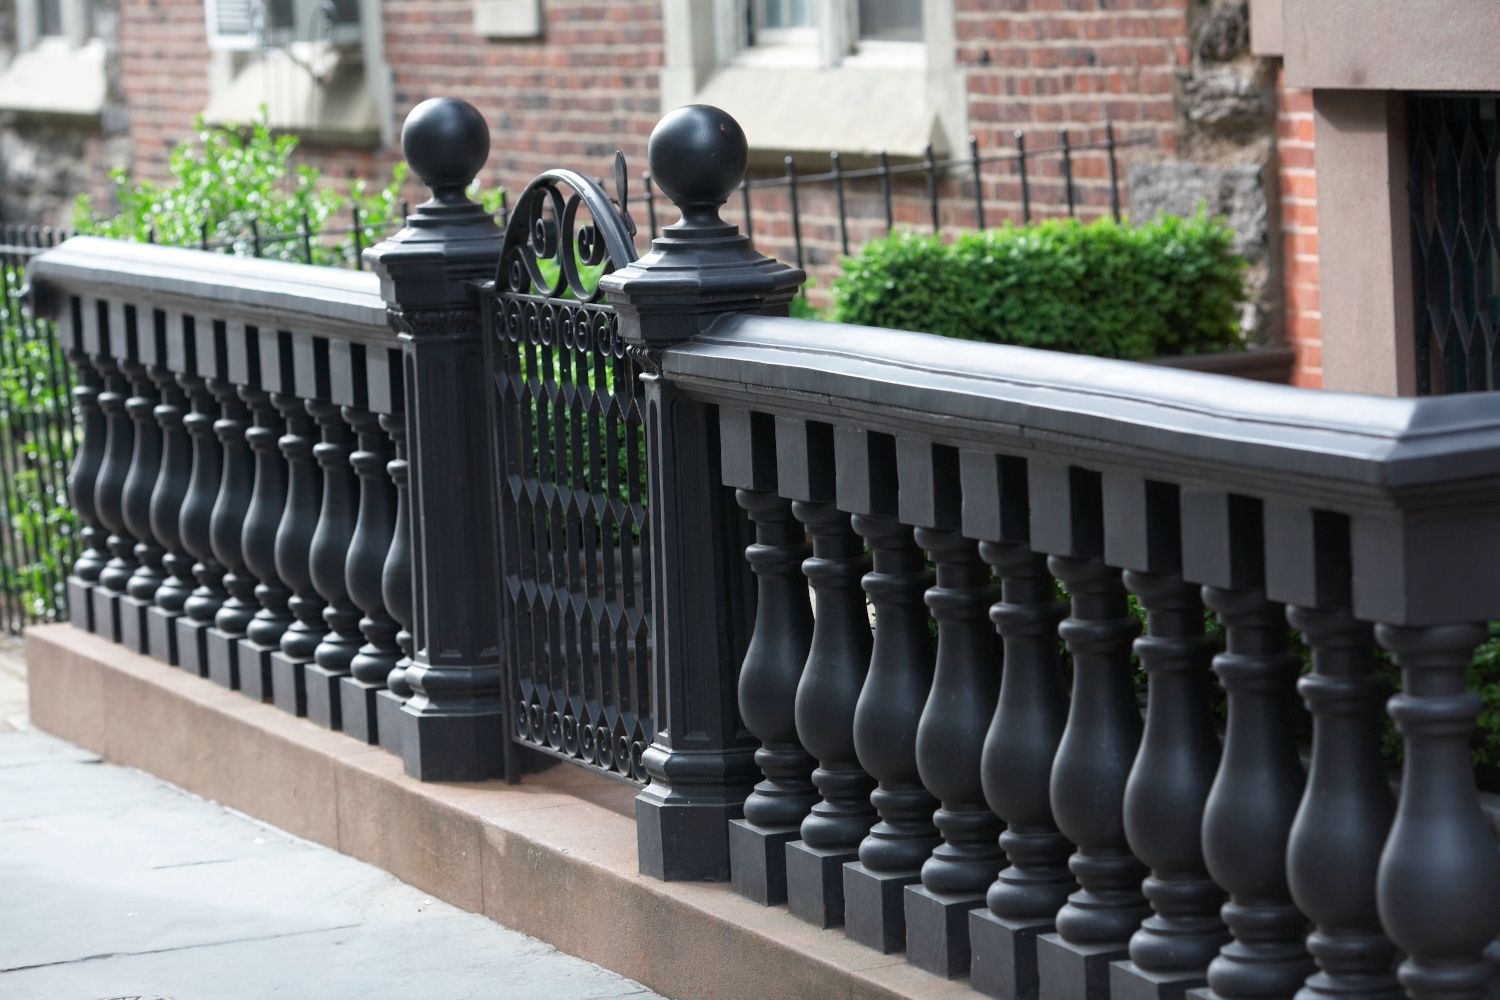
{"x":1170,"y":286}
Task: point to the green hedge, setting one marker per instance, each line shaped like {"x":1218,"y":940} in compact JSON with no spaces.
{"x":1170,"y":286}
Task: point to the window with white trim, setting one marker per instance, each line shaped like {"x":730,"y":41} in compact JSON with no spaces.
{"x":884,"y":72}
{"x":318,"y":67}
{"x":59,"y":66}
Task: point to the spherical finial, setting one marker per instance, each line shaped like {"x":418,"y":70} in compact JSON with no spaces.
{"x":446,"y":141}
{"x":698,"y":156}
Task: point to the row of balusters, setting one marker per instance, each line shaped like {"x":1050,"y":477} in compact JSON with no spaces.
{"x":1225,"y":859}
{"x":263,"y":515}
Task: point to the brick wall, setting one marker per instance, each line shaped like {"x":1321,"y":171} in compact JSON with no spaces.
{"x":1299,"y":229}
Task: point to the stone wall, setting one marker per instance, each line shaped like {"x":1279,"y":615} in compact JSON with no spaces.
{"x":1225,"y":155}
{"x":47,"y":161}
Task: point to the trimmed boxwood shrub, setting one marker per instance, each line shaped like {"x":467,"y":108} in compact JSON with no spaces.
{"x":1170,"y":286}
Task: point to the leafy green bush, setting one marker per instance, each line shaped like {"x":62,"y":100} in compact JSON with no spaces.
{"x":1170,"y":286}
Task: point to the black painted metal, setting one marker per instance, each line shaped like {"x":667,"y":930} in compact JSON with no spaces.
{"x":170,"y":492}
{"x":453,"y":726}
{"x":82,"y":478}
{"x":1452,"y":144}
{"x":109,"y":489}
{"x":1333,"y":852}
{"x":226,"y":526}
{"x":1255,"y":796}
{"x":194,"y":522}
{"x":364,"y":571}
{"x":1439,"y":879}
{"x":1019,"y":749}
{"x":396,"y":591}
{"x":263,"y":519}
{"x":294,"y":534}
{"x":135,"y":501}
{"x":330,"y":549}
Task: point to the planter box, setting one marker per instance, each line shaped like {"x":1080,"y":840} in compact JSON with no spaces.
{"x":1270,"y":364}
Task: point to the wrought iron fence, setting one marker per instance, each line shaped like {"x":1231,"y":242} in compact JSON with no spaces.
{"x":1454,"y":143}
{"x":38,"y":533}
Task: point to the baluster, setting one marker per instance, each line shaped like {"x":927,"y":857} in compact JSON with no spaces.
{"x":950,"y":741}
{"x":1164,"y":801}
{"x":1089,"y":776}
{"x":81,"y":482}
{"x":109,"y":491}
{"x":194,"y":523}
{"x":226,"y":526}
{"x":1030,"y":716}
{"x":258,"y":546}
{"x":326,"y":557}
{"x":304,"y":498}
{"x":885,"y":736}
{"x":1334,"y":850}
{"x":135,"y":509}
{"x":166,"y":509}
{"x":1254,"y":799}
{"x":363,"y":570}
{"x":827,"y":694}
{"x":1439,"y":878}
{"x":395,"y":588}
{"x":767,"y":693}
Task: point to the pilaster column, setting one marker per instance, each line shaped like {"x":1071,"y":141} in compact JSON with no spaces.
{"x":700,"y":762}
{"x":453,"y":726}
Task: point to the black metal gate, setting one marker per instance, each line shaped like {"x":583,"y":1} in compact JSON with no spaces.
{"x":1455,"y":213}
{"x":570,"y":467}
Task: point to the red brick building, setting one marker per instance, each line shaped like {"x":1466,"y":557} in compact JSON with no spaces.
{"x":566,"y":82}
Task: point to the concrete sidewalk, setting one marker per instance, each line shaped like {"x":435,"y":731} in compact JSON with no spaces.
{"x":115,"y":884}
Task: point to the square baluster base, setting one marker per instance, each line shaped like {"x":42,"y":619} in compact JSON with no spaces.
{"x":874,"y":907}
{"x":1129,"y":982}
{"x":1004,"y":964}
{"x":815,"y":882}
{"x":223,"y":658}
{"x":358,"y":711}
{"x":255,"y":669}
{"x":80,"y":604}
{"x":757,"y":860}
{"x":323,"y":701}
{"x":937,"y":930}
{"x":135,"y":634}
{"x":288,"y":686}
{"x":161,"y":632}
{"x":106,"y":613}
{"x":458,"y":747}
{"x":1075,"y":971}
{"x":192,"y":645}
{"x":388,"y":721}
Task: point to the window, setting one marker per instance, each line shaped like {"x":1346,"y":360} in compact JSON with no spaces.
{"x":890,"y":20}
{"x":882,"y":74}
{"x":49,"y":18}
{"x":317,"y":66}
{"x":59,"y":68}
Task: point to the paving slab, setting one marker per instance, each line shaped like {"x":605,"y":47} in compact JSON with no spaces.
{"x":116,"y":884}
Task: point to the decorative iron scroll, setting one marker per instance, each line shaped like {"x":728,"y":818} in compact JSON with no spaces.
{"x":571,"y":480}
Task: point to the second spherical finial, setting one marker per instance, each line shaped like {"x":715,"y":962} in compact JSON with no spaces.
{"x":446,"y":140}
{"x":698,"y":155}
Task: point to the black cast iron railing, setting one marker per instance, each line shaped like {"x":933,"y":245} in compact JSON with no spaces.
{"x":38,"y":534}
{"x":962,"y":798}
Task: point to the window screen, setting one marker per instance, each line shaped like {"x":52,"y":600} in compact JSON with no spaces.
{"x":49,"y":18}
{"x":891,"y":20}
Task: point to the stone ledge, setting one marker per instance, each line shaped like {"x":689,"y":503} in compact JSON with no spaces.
{"x":553,"y":857}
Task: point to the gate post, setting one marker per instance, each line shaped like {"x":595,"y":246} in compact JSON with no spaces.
{"x":453,"y":727}
{"x":701,"y":761}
